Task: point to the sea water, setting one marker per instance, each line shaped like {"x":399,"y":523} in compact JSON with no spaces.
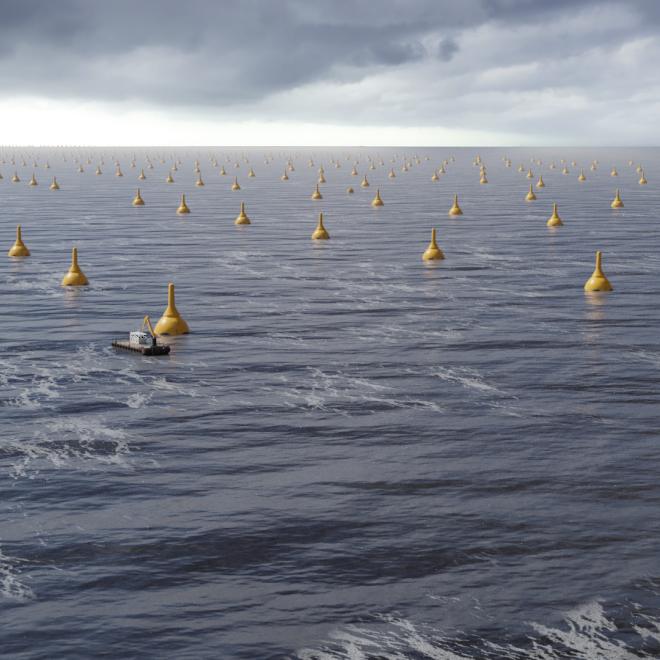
{"x":354,"y":454}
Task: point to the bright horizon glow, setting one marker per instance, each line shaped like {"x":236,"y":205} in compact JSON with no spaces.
{"x":32,"y":121}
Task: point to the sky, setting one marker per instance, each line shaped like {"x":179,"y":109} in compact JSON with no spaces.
{"x":331,"y":72}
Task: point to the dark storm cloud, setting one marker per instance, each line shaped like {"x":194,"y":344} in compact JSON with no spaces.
{"x":231,"y":50}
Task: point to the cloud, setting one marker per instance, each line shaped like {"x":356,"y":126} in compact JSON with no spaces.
{"x":515,"y":67}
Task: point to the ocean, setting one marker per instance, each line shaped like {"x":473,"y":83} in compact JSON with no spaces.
{"x":354,"y":454}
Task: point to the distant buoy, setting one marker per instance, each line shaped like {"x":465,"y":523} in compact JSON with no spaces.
{"x":530,"y":196}
{"x":183,"y":207}
{"x":18,"y":249}
{"x":54,"y":185}
{"x":142,"y":176}
{"x":582,"y":177}
{"x":377,"y":201}
{"x":137,"y":200}
{"x":222,"y":171}
{"x":617,"y":203}
{"x":235,"y":186}
{"x":614,"y":172}
{"x":284,"y":177}
{"x":598,"y":281}
{"x":251,"y":173}
{"x":365,"y":182}
{"x":75,"y":276}
{"x":435,"y":177}
{"x":169,"y":179}
{"x":392,"y":175}
{"x":455,"y":209}
{"x":642,"y":180}
{"x":320,"y":233}
{"x":540,"y":183}
{"x":98,"y":171}
{"x":483,"y":178}
{"x":171,"y":322}
{"x":33,"y":181}
{"x":530,"y":174}
{"x":199,"y":183}
{"x":118,"y":172}
{"x":433,"y":252}
{"x":350,"y":190}
{"x":354,"y":172}
{"x":317,"y":193}
{"x":554,"y":220}
{"x":321,"y":178}
{"x":242,"y":218}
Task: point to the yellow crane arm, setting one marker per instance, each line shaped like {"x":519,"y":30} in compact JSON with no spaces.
{"x":147,"y":323}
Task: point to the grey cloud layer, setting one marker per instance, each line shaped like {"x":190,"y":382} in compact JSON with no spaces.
{"x":217,"y":55}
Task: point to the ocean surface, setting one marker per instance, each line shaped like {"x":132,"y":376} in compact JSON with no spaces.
{"x":354,"y":454}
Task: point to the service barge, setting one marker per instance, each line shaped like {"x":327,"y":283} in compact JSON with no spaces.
{"x":143,"y":342}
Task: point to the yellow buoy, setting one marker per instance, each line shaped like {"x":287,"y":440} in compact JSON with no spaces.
{"x":199,"y":183}
{"x":540,"y":183}
{"x":222,"y":171}
{"x":392,"y":175}
{"x":582,"y":177}
{"x":171,"y":322}
{"x":183,"y":207}
{"x":18,"y":249}
{"x":251,"y":173}
{"x":137,"y":200}
{"x":354,"y":172}
{"x":320,"y":233}
{"x":455,"y":209}
{"x":142,"y":176}
{"x":75,"y":276}
{"x":119,"y":172}
{"x":98,"y":171}
{"x":284,"y":177}
{"x":242,"y":218}
{"x":317,"y":193}
{"x":617,"y":203}
{"x":350,"y":190}
{"x":642,"y":180}
{"x":614,"y":172}
{"x":554,"y":220}
{"x":321,"y":178}
{"x":530,"y":196}
{"x":235,"y":186}
{"x":432,"y":252}
{"x":33,"y":181}
{"x":565,"y":170}
{"x":365,"y":183}
{"x":54,"y":185}
{"x":598,"y":281}
{"x":483,"y":178}
{"x":169,"y":179}
{"x":530,"y":174}
{"x":377,"y":201}
{"x":435,"y":176}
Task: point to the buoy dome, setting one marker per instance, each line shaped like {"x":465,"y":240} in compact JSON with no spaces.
{"x":183,"y":207}
{"x":171,"y":322}
{"x":433,"y":252}
{"x":455,"y":208}
{"x":617,"y":203}
{"x":554,"y":220}
{"x":320,"y":233}
{"x":75,"y":276}
{"x":242,"y":218}
{"x":18,"y":249}
{"x":598,"y":281}
{"x":137,"y":200}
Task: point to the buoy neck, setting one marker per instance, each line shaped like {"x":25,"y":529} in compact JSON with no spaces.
{"x":171,"y":306}
{"x":433,"y":243}
{"x":74,"y":260}
{"x":321,"y":221}
{"x":18,"y":233}
{"x":598,"y":270}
